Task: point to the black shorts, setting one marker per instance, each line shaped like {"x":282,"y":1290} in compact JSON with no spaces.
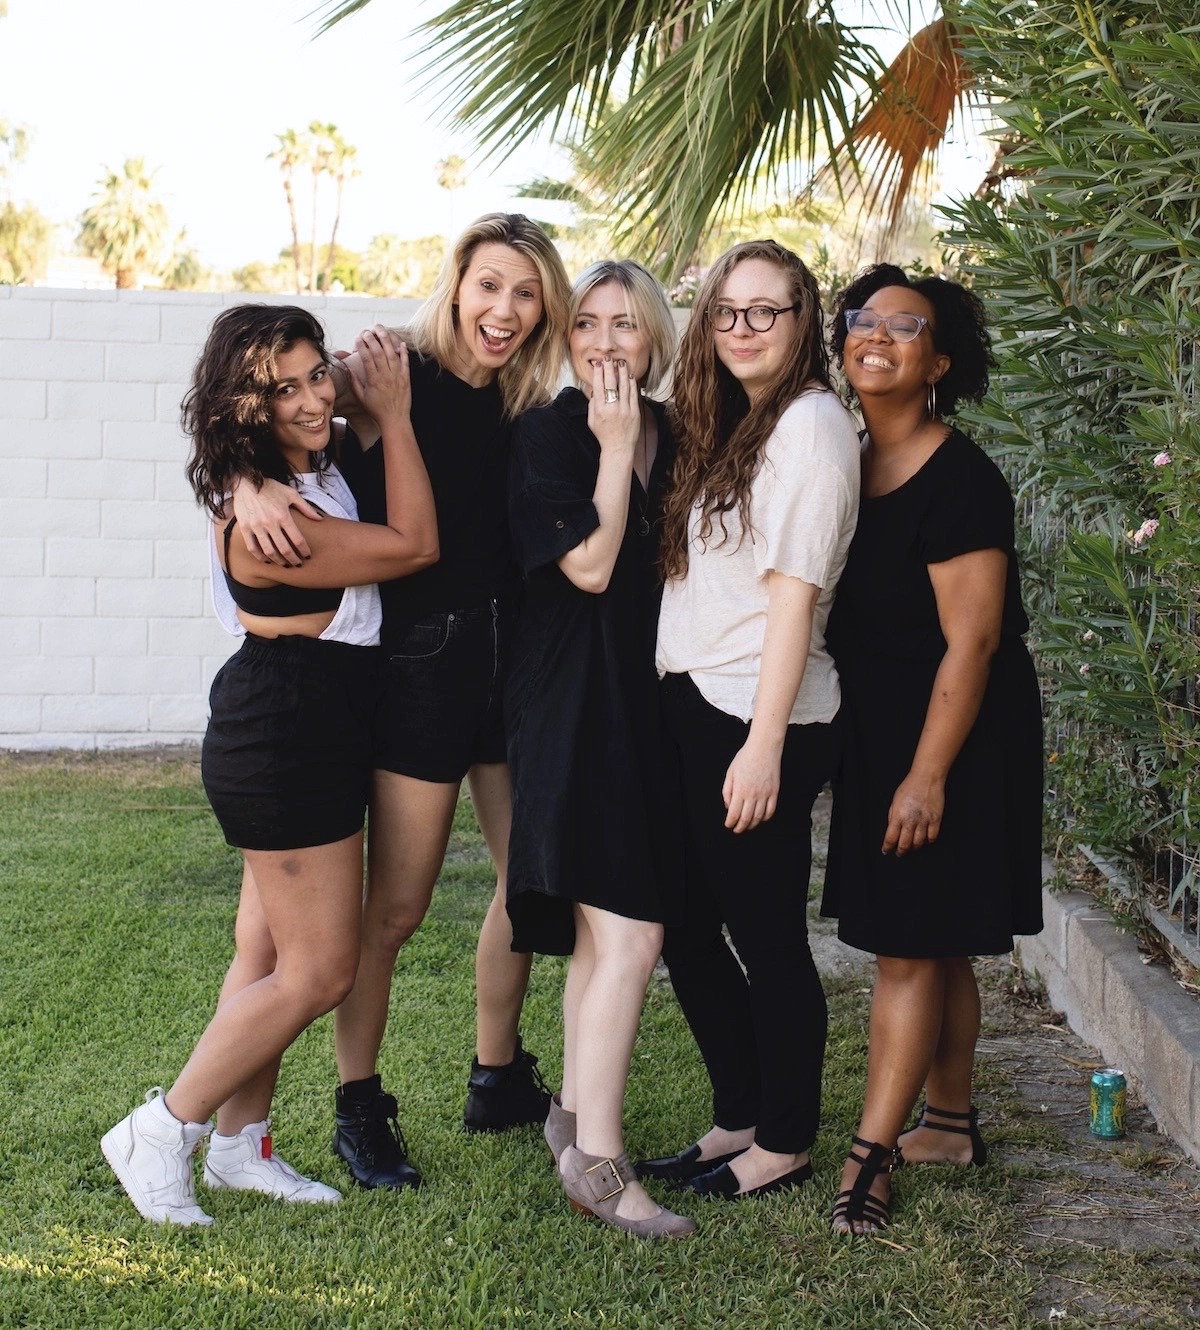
{"x":286,"y":760}
{"x":441,"y":701}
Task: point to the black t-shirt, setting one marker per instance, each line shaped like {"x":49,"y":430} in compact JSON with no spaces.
{"x":464,"y":441}
{"x":957,"y":502}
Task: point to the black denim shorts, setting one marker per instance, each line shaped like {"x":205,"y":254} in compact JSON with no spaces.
{"x":441,"y":701}
{"x":286,"y":761}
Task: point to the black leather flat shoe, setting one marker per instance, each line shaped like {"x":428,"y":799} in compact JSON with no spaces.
{"x":681,"y":1168}
{"x":723,"y":1182}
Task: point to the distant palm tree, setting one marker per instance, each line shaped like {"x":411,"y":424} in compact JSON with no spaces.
{"x":320,"y":153}
{"x":451,"y":176}
{"x":339,"y":164}
{"x":713,"y":96}
{"x":291,"y":154}
{"x":14,"y":147}
{"x":126,"y":227}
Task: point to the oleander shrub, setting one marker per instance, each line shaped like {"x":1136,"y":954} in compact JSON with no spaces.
{"x":1086,"y":249}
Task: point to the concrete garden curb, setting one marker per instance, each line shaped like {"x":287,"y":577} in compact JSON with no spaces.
{"x":1134,"y":1013}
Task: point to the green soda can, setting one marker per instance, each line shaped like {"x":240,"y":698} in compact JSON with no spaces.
{"x":1108,"y":1104}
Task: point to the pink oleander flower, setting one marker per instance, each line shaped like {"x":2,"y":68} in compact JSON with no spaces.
{"x":1146,"y":531}
{"x":1162,"y":459}
{"x":1085,"y":668}
{"x":1089,"y":636}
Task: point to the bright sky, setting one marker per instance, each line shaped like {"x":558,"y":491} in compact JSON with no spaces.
{"x":201,"y":89}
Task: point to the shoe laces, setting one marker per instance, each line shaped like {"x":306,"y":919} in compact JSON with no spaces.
{"x":381,"y":1126}
{"x":531,"y":1065}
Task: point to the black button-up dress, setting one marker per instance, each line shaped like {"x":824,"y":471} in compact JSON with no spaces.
{"x":595,"y":815}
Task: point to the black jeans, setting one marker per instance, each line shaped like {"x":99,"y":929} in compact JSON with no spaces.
{"x":761,"y":1033}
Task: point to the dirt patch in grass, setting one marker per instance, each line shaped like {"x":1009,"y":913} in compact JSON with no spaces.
{"x":1111,"y":1226}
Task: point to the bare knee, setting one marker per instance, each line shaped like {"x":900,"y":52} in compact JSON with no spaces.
{"x":388,"y":933}
{"x":908,"y":969}
{"x":325,"y":986}
{"x":254,"y":955}
{"x":635,"y":952}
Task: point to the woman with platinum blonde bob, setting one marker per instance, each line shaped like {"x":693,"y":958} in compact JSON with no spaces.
{"x":756,"y":528}
{"x":592,"y":869}
{"x":486,"y":345}
{"x":286,"y":761}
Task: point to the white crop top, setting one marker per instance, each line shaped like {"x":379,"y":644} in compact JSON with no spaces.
{"x":359,"y":615}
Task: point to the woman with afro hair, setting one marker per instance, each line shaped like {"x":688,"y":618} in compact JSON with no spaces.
{"x":935,"y":846}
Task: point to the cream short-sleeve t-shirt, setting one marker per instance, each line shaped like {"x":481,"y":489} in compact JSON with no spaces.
{"x":803,"y":509}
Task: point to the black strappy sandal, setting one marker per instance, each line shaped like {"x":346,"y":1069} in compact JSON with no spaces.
{"x":979,"y":1150}
{"x":857,"y":1205}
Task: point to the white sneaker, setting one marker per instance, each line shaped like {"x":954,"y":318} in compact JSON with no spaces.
{"x":151,"y":1153}
{"x":246,"y":1162}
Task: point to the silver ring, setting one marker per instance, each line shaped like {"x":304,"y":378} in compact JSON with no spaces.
{"x":611,"y":395}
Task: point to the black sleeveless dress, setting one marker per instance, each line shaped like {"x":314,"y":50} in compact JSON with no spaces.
{"x":980,"y":882}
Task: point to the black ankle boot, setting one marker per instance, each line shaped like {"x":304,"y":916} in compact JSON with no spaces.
{"x":510,"y":1096}
{"x":367,"y":1136}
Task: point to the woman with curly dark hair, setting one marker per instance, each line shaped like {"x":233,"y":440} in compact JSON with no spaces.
{"x":486,"y":345}
{"x":935,"y":846}
{"x":757,"y":523}
{"x":286,"y":760}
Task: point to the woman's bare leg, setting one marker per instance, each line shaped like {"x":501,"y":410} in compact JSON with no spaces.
{"x":501,"y":974}
{"x":610,"y":1006}
{"x":951,"y":1074}
{"x":253,"y":959}
{"x":408,"y":832}
{"x":579,"y":974}
{"x":310,"y":899}
{"x":906,"y":1023}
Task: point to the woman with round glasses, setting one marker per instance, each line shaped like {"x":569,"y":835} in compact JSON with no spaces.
{"x":757,"y":524}
{"x":935,"y":847}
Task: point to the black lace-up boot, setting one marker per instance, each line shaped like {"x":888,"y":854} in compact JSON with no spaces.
{"x":513,"y":1095}
{"x":367,"y":1136}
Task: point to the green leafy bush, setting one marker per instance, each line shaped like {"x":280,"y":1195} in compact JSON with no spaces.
{"x":1086,"y":248}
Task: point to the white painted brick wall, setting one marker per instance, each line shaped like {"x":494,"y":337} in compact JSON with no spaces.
{"x":107,"y":639}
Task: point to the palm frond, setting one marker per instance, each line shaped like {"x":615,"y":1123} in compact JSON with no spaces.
{"x":758,"y":93}
{"x":334,"y":11}
{"x":510,"y":68}
{"x":896,"y":140}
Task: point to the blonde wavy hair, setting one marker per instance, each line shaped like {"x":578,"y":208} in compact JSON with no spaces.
{"x":647,"y":303}
{"x":719,"y":434}
{"x":531,"y":376}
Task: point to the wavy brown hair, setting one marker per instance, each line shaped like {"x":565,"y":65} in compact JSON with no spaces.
{"x":227,"y":411}
{"x":719,"y":435}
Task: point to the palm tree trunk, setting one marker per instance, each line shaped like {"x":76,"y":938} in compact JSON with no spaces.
{"x":332,"y":250}
{"x":126,"y":279}
{"x":312,"y":244}
{"x":291,"y":203}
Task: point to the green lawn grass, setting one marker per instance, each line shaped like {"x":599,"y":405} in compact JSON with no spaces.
{"x":115,"y":928}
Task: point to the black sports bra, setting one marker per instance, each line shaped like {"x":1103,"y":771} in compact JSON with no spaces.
{"x":280,"y":601}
